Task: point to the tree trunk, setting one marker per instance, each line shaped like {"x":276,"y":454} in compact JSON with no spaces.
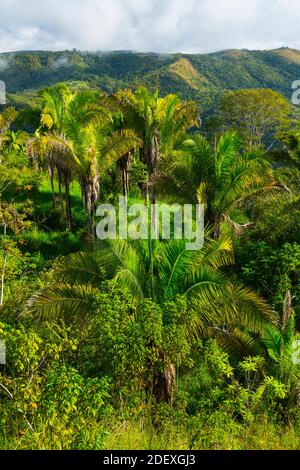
{"x":88,"y":208}
{"x":67,"y":178}
{"x":123,"y":165}
{"x":90,"y":194}
{"x":51,"y":176}
{"x":60,"y":185}
{"x":119,"y":174}
{"x":125,"y":180}
{"x":153,"y":202}
{"x":152,"y":164}
{"x":217,"y":227}
{"x":164,"y":383}
{"x":125,"y":185}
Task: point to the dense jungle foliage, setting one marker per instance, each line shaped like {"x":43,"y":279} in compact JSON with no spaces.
{"x":130,"y":344}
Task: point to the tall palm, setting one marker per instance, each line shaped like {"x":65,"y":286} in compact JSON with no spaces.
{"x":124,"y":163}
{"x":50,"y":116}
{"x":159,"y":122}
{"x":212,"y":300}
{"x":220,"y":178}
{"x":64,"y":116}
{"x":97,"y":150}
{"x":81,"y":108}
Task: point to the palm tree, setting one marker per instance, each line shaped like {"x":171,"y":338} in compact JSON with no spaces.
{"x":159,"y":122}
{"x":124,"y":163}
{"x":61,"y":110}
{"x":220,"y":178}
{"x":88,"y":152}
{"x":54,"y":106}
{"x":76,"y":128}
{"x":212,"y":300}
{"x":51,"y":117}
{"x":97,"y":150}
{"x":282,"y":343}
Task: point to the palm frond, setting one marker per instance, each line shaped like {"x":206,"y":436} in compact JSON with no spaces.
{"x":72,"y":302}
{"x":237,"y":342}
{"x":81,"y":268}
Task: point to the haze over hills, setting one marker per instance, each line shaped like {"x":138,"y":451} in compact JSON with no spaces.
{"x":198,"y":76}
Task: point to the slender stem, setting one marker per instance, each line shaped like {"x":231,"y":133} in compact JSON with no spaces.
{"x":51,"y":177}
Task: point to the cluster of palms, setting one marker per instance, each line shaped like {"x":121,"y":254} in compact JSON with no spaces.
{"x":84,"y":134}
{"x":221,"y":177}
{"x":77,"y":139}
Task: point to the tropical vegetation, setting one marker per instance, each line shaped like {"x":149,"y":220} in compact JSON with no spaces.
{"x":129,"y":343}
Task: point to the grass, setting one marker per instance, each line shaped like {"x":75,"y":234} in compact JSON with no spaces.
{"x":48,"y":235}
{"x":137,"y":434}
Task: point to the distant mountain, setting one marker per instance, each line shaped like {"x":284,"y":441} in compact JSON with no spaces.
{"x":203,"y":77}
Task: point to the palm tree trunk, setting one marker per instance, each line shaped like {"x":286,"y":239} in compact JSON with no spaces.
{"x":83,"y":195}
{"x":119,"y":174}
{"x":152,"y":160}
{"x":154,"y":211}
{"x":60,"y":185}
{"x":123,"y":167}
{"x":217,"y":227}
{"x":87,"y":204}
{"x":125,"y":183}
{"x":67,"y":179}
{"x":90,"y":194}
{"x":90,"y":217}
{"x":152,"y":164}
{"x":51,"y":177}
{"x":144,"y":186}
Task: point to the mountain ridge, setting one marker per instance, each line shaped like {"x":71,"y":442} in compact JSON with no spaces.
{"x":202,"y":77}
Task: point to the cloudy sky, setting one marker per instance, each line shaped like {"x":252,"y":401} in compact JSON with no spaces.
{"x":148,"y":25}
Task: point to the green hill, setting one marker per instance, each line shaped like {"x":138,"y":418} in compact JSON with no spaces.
{"x":199,"y":76}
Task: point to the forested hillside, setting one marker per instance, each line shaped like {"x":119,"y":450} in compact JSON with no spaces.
{"x":201,"y":77}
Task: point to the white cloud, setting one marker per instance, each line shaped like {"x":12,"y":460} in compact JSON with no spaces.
{"x":63,"y":61}
{"x":148,"y":25}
